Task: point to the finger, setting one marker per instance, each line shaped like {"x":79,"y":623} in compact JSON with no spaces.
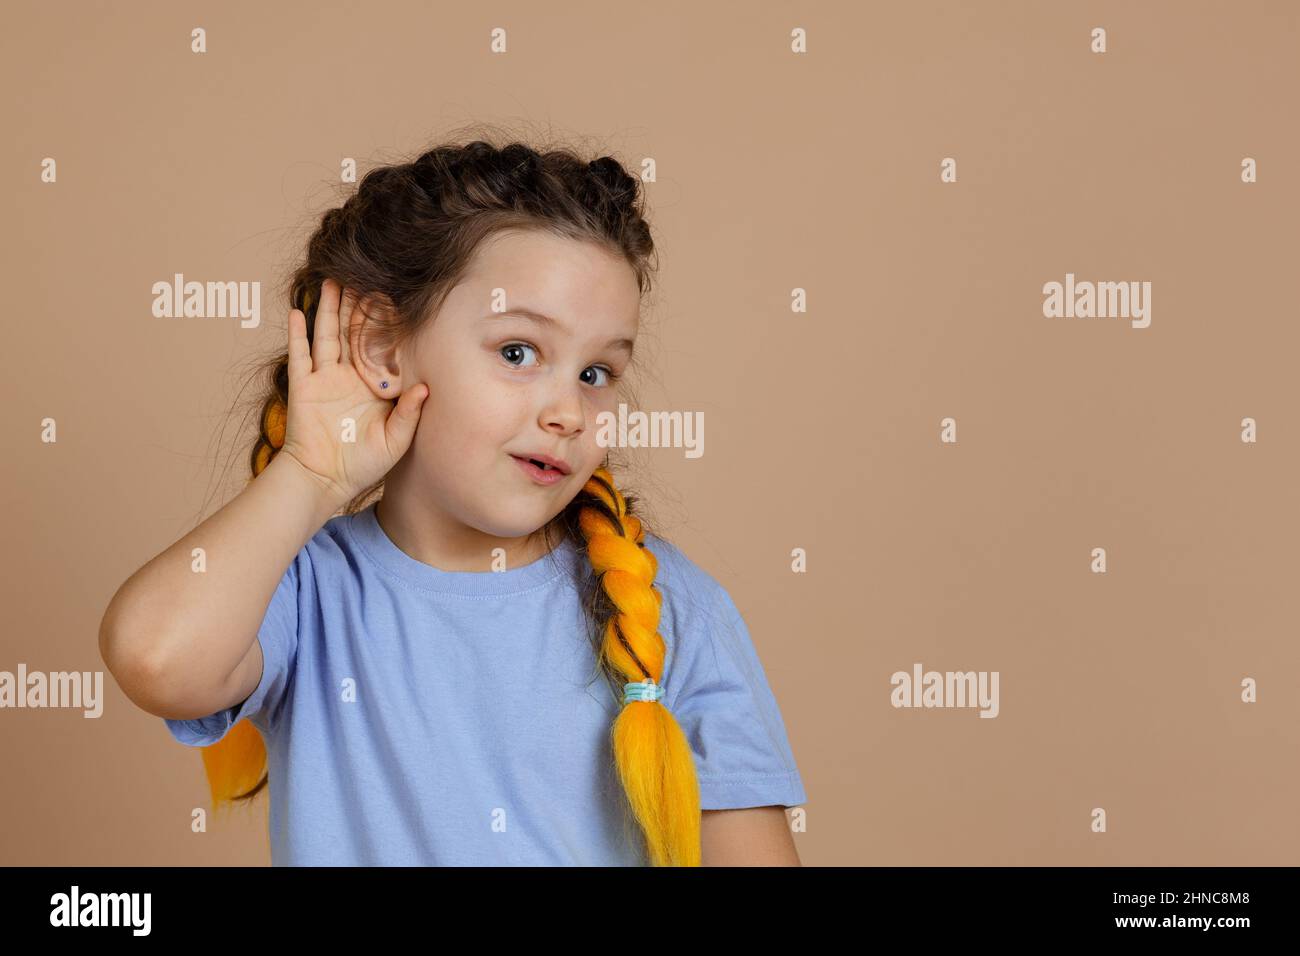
{"x":325,"y":337}
{"x":345,"y":327}
{"x":400,"y":427}
{"x":299,"y":351}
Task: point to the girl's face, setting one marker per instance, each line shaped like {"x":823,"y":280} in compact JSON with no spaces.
{"x":506,"y":383}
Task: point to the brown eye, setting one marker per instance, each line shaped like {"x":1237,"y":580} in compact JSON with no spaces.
{"x":609,"y":375}
{"x":514,"y":347}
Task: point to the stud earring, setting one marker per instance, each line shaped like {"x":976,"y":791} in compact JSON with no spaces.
{"x":383,"y":384}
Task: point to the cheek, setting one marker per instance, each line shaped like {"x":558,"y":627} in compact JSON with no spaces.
{"x":469,"y":413}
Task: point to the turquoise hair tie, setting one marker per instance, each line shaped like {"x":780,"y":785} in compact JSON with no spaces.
{"x":642,"y":690}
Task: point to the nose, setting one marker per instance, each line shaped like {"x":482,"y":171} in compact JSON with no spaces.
{"x":564,"y":410}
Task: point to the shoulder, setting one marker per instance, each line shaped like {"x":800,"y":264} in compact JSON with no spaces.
{"x":334,"y":545}
{"x":336,"y":535}
{"x":707,"y":642}
{"x":678,"y":571}
{"x":693,"y":597}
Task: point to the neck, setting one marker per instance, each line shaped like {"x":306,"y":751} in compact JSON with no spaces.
{"x":419,"y":527}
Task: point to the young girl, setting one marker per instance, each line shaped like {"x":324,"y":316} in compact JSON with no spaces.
{"x":416,"y":672}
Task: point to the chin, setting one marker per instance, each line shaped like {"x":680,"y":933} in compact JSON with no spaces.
{"x":515,"y":525}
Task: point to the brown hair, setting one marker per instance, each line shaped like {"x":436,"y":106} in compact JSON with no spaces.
{"x":406,"y":237}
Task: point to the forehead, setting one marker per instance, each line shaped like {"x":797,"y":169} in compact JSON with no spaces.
{"x":580,"y":283}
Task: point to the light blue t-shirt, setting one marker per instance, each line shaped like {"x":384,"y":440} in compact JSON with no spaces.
{"x":421,"y":717}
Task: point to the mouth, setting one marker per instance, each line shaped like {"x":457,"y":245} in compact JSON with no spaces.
{"x":543,"y":460}
{"x":541,"y":470}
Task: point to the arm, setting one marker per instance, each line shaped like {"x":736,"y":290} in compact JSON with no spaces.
{"x":754,"y":836}
{"x":181,"y":643}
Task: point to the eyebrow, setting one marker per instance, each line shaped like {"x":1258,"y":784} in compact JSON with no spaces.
{"x":626,"y":345}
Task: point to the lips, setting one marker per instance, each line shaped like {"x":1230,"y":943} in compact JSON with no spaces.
{"x":546,"y":462}
{"x":541,"y":474}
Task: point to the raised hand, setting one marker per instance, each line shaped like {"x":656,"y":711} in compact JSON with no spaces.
{"x":325,"y":390}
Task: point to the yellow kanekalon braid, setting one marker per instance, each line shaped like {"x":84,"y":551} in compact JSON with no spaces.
{"x":653,"y":756}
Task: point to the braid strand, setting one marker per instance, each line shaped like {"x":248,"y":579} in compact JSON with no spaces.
{"x":654,"y":759}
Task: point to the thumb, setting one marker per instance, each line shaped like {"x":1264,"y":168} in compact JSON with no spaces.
{"x":405,"y":416}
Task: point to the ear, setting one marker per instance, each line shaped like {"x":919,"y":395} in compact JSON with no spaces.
{"x":372,"y":333}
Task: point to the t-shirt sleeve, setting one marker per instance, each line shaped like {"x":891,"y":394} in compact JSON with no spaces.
{"x":278,"y":636}
{"x":718,"y":692}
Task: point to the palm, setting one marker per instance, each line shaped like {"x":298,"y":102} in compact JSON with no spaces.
{"x":336,"y":426}
{"x":332,"y":406}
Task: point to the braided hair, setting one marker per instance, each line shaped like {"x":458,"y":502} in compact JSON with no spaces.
{"x":407,"y":235}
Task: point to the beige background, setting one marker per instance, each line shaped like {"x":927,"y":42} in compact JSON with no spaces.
{"x":775,"y":171}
